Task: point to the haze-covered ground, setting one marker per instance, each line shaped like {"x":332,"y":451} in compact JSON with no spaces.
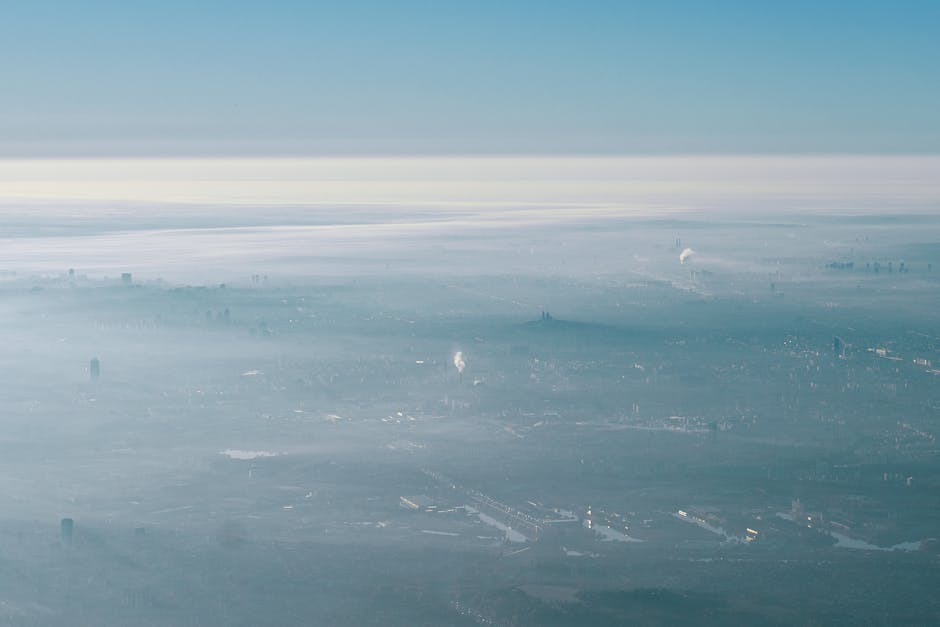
{"x":279,"y":433}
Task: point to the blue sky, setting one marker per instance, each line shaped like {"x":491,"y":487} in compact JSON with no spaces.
{"x":280,"y":77}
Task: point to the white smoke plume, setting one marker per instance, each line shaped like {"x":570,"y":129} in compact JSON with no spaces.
{"x":685,"y":254}
{"x":459,"y":363}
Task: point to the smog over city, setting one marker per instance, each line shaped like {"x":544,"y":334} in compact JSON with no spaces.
{"x":361,"y":316}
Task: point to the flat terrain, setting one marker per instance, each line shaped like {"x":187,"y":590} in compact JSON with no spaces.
{"x":749,"y":437}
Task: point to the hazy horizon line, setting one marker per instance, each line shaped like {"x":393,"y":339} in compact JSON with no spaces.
{"x":245,"y":156}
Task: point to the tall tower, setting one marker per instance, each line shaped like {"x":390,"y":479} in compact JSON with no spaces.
{"x":66,"y":527}
{"x":94,"y":367}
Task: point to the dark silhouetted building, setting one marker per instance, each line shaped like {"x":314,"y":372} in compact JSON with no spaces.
{"x":67,"y":526}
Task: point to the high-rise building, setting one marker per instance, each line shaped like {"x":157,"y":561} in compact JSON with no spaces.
{"x":94,"y":367}
{"x":66,"y":527}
